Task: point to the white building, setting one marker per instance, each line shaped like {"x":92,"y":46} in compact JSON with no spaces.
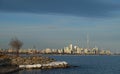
{"x":67,"y":50}
{"x":60,"y":51}
{"x":79,"y":50}
{"x":86,"y":51}
{"x":48,"y":50}
{"x":70,"y":47}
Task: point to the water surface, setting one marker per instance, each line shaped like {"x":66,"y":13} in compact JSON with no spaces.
{"x":86,"y":65}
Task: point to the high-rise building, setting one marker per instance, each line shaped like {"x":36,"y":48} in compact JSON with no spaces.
{"x":70,"y":46}
{"x":67,"y":50}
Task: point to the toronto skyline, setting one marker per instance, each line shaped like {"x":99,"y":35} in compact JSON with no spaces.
{"x":57,"y":23}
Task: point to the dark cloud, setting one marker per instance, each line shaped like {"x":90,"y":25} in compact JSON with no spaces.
{"x":85,"y":8}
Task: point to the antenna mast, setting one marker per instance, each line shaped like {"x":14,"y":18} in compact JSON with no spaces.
{"x":87,"y":41}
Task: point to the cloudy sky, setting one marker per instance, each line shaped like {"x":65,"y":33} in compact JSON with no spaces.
{"x":58,"y":23}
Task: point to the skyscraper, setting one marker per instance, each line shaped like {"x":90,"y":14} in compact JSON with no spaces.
{"x":70,"y":46}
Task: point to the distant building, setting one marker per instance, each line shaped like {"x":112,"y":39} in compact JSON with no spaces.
{"x":48,"y":50}
{"x":86,"y":51}
{"x":70,"y":47}
{"x":102,"y":52}
{"x":79,"y":50}
{"x":108,"y":52}
{"x":94,"y":51}
{"x":67,"y":50}
{"x":54,"y":51}
{"x":60,"y":51}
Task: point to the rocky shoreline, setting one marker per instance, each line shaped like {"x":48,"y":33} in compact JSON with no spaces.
{"x":31,"y":62}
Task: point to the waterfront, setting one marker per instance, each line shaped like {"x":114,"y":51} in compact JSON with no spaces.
{"x":86,"y":65}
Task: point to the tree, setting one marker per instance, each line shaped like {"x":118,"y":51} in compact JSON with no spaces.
{"x":16,"y":44}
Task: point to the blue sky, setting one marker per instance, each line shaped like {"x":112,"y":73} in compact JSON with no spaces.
{"x":57,"y":23}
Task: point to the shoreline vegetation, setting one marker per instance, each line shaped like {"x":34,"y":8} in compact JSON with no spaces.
{"x":12,"y":63}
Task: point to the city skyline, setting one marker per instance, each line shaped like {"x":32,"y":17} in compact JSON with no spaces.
{"x":57,"y":23}
{"x":70,"y":49}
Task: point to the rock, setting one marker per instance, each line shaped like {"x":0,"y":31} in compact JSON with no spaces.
{"x":9,"y":69}
{"x":31,"y":60}
{"x":36,"y":62}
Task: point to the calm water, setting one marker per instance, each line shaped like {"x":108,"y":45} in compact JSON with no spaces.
{"x":86,"y":65}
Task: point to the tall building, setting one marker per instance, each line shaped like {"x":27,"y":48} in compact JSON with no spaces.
{"x":67,"y":50}
{"x":70,"y":47}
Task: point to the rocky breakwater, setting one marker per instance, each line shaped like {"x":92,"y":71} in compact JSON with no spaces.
{"x":30,"y":60}
{"x":5,"y":65}
{"x":33,"y":62}
{"x":5,"y":61}
{"x":38,"y":62}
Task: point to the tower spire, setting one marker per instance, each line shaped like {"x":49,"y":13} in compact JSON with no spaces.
{"x":87,"y":41}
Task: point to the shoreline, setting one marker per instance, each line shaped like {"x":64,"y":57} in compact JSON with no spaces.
{"x":12,"y":63}
{"x":9,"y":69}
{"x":56,"y":64}
{"x":37,"y":54}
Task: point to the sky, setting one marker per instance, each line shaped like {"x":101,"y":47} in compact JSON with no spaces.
{"x":58,"y":23}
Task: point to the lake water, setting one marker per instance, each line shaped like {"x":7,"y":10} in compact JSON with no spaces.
{"x":86,"y":65}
